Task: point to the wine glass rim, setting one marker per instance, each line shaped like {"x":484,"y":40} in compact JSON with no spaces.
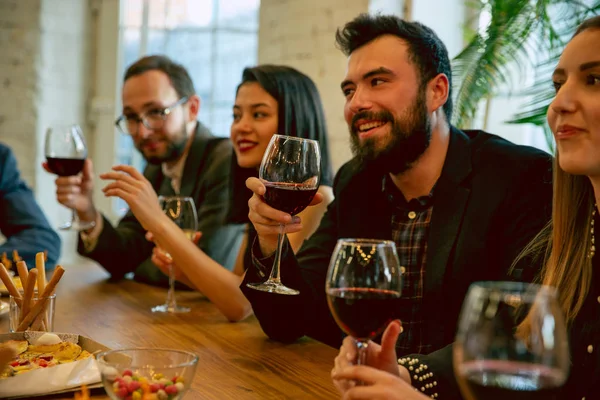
{"x":299,"y":139}
{"x":175,"y":197}
{"x":523,"y":289}
{"x":192,"y":361}
{"x":365,"y":242}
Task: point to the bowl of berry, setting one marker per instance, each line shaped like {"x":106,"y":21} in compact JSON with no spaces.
{"x":144,"y":373}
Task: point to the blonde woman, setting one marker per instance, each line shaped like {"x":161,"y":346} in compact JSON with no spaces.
{"x":572,"y":264}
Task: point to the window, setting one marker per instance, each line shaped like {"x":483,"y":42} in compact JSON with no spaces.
{"x":214,"y":39}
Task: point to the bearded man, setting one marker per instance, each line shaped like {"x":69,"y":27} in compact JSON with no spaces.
{"x":460,"y":205}
{"x":160,"y":110}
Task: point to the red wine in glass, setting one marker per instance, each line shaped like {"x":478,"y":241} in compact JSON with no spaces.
{"x":65,"y":166}
{"x":363,"y":313}
{"x":291,"y":198}
{"x":500,"y":380}
{"x":290,"y":170}
{"x":364,"y":284}
{"x":66,"y":152}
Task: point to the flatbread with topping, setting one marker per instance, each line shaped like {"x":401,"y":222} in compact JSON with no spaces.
{"x":32,"y":357}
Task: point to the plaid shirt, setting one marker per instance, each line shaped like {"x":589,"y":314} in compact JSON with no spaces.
{"x":410,"y":231}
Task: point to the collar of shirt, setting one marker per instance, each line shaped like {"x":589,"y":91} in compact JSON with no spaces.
{"x":396,"y":198}
{"x":175,"y":171}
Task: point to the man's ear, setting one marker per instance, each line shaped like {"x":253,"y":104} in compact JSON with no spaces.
{"x":438,"y":90}
{"x":193,"y":107}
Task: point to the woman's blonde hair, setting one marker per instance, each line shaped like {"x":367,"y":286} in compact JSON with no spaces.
{"x":566,"y":242}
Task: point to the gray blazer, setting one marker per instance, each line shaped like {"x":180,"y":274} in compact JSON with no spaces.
{"x":123,"y":249}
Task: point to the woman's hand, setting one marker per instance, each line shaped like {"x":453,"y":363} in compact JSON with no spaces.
{"x":130,"y":185}
{"x":164,"y":261}
{"x":379,"y":357}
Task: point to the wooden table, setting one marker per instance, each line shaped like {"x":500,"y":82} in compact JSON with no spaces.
{"x":236,"y":360}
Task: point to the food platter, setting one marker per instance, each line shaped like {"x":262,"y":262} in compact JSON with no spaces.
{"x":64,"y":377}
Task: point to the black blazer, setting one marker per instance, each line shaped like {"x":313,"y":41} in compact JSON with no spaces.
{"x":205,"y":178}
{"x":491,"y":199}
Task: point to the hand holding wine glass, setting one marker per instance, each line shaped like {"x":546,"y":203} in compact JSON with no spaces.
{"x":66,"y":154}
{"x":182,"y":211}
{"x":380,"y":357}
{"x":290,"y":172}
{"x":364,"y":284}
{"x":511,"y":343}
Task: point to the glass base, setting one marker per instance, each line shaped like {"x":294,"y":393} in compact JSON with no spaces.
{"x":273,"y":287}
{"x":165,"y":308}
{"x":77,"y":226}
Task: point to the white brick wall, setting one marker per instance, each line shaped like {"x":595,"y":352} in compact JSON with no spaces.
{"x":19,"y":46}
{"x":301,"y":34}
{"x":44,"y":74}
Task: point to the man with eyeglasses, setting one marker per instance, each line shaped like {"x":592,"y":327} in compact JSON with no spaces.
{"x":160,"y":110}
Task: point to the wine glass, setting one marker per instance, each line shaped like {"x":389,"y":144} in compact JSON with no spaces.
{"x":291,"y":171}
{"x":65,"y":154}
{"x":364,"y":284}
{"x":182,"y":211}
{"x":511,"y":342}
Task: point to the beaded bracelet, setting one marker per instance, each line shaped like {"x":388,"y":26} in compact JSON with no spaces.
{"x":419,"y":376}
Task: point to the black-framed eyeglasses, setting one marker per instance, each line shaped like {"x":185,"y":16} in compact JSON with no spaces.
{"x":152,"y":119}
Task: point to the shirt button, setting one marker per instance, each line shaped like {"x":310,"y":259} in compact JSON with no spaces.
{"x":402,"y":270}
{"x":598,"y":299}
{"x":590,"y":349}
{"x":412,"y":215}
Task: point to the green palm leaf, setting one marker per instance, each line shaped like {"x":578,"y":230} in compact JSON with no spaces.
{"x":517,"y":30}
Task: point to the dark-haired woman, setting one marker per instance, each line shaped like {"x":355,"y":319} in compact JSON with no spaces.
{"x":270,"y":99}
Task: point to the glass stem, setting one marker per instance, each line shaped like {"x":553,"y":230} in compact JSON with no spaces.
{"x":171,"y":303}
{"x":361,"y":347}
{"x":275,"y":271}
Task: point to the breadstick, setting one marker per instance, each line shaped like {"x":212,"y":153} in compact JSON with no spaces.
{"x":40,"y":264}
{"x":28,"y":292}
{"x":23,"y":272}
{"x":38,"y":322}
{"x":10,"y":286}
{"x":7,"y":263}
{"x":42,"y":298}
{"x":16,"y":256}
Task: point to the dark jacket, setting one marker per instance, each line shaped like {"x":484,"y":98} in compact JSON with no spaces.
{"x":491,"y":199}
{"x":124,"y":248}
{"x":22,"y":221}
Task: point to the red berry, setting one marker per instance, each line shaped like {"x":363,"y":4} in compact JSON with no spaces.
{"x":174,"y":380}
{"x":171,"y":389}
{"x":127,"y":372}
{"x":154,"y":387}
{"x":133,"y":386}
{"x":161,"y":386}
{"x":122,"y":392}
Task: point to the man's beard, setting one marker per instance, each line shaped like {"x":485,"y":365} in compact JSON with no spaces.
{"x":408,"y":139}
{"x":174,"y":150}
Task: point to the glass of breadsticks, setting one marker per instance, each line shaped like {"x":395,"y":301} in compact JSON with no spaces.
{"x":33,"y":307}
